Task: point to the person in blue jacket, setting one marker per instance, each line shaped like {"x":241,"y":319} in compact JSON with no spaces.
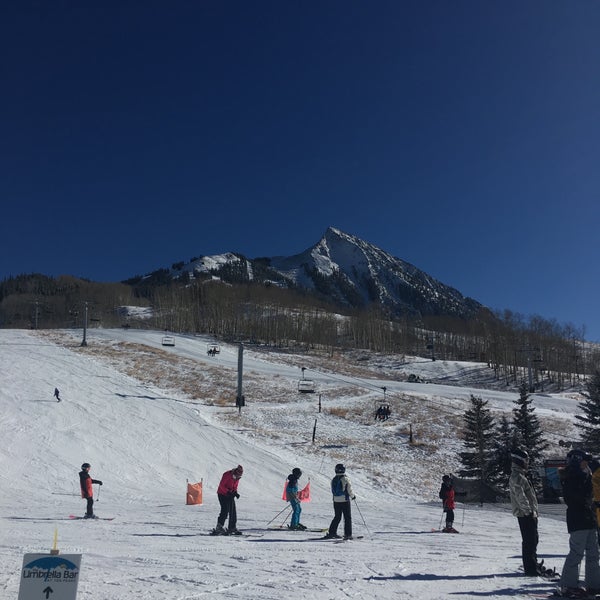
{"x":291,"y":491}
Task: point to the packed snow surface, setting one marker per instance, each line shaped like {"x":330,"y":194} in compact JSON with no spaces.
{"x":145,"y":436}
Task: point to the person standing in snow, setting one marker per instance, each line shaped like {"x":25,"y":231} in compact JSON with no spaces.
{"x":57,"y":394}
{"x":595,"y":469}
{"x":291,"y":492}
{"x":87,"y":492}
{"x":447,"y":497}
{"x":341,"y":488}
{"x":525,"y":508}
{"x":227,"y":493}
{"x":576,"y":480}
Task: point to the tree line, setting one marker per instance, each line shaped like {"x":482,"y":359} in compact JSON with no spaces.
{"x":489,"y":442}
{"x":544,"y":353}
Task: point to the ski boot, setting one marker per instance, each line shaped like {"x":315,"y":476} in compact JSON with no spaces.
{"x":219,"y":530}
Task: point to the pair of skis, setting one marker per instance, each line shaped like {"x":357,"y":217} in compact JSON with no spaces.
{"x":76,"y":517}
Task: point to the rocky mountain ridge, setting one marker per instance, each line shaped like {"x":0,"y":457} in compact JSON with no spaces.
{"x":343,"y":269}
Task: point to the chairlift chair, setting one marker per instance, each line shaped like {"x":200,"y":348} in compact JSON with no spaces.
{"x":306,"y":386}
{"x":168,"y":340}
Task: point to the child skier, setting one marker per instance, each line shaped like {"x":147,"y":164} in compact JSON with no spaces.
{"x":291,"y":491}
{"x":447,"y":497}
{"x":87,"y":492}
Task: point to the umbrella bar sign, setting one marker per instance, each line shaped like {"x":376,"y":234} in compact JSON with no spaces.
{"x":49,"y":577}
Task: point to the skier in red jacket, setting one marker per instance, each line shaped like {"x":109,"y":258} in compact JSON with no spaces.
{"x":447,"y":498}
{"x":227,"y":493}
{"x":87,"y":491}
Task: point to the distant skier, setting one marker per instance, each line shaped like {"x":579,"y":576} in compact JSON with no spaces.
{"x":87,"y":491}
{"x":291,"y":491}
{"x":341,"y":488}
{"x":227,"y":493}
{"x":57,"y":394}
{"x":447,"y":497}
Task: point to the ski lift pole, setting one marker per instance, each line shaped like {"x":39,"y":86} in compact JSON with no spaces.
{"x":363,"y":519}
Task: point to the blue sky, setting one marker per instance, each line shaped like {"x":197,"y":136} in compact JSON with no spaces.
{"x":461,"y":136}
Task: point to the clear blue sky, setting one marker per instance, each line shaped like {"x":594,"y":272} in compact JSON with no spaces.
{"x":460,"y":135}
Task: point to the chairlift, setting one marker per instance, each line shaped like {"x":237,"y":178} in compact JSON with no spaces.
{"x":168,"y":340}
{"x":212,"y":349}
{"x":306,"y":386}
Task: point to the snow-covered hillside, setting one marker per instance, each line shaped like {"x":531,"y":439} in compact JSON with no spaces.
{"x":149,"y":417}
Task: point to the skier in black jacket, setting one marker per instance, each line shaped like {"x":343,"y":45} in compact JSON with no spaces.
{"x":576,"y":480}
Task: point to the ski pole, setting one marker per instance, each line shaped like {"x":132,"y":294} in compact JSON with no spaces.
{"x":284,"y":508}
{"x":286,"y":518}
{"x":363,"y":519}
{"x":98,"y":494}
{"x":441,"y":519}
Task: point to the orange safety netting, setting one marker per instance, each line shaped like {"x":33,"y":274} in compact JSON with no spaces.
{"x":303,"y":494}
{"x":194,"y":493}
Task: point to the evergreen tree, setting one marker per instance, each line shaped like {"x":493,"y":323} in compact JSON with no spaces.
{"x":589,"y":422}
{"x":529,"y":434}
{"x":500,"y":463}
{"x":478,"y":439}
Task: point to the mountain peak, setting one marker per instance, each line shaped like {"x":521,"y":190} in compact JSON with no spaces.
{"x":347,"y":270}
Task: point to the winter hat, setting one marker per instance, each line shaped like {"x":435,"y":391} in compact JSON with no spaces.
{"x":340,"y":468}
{"x":446,"y":479}
{"x":86,"y":466}
{"x":296,"y":472}
{"x":519,"y":456}
{"x":576,"y":456}
{"x":238,"y":471}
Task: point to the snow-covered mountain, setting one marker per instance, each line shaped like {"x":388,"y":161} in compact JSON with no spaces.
{"x":346,"y":270}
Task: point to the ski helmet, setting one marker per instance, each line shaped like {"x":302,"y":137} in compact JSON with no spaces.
{"x":296,"y":472}
{"x":86,"y":466}
{"x":446,"y":479}
{"x":340,"y":468}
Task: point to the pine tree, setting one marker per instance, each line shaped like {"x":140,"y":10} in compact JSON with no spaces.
{"x":589,"y":422}
{"x":478,"y":439}
{"x":500,"y":463}
{"x":529,"y":434}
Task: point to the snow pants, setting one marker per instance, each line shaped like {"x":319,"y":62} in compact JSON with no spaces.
{"x":529,"y":536}
{"x":227,"y":510}
{"x":339,"y":509}
{"x":584,"y":541}
{"x":296,"y":510}
{"x":90,"y":507}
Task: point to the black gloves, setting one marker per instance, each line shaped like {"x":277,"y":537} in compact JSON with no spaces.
{"x":236,"y":495}
{"x":353,"y":497}
{"x":99,"y":483}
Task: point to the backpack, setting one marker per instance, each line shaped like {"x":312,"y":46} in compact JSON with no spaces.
{"x":337,"y":487}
